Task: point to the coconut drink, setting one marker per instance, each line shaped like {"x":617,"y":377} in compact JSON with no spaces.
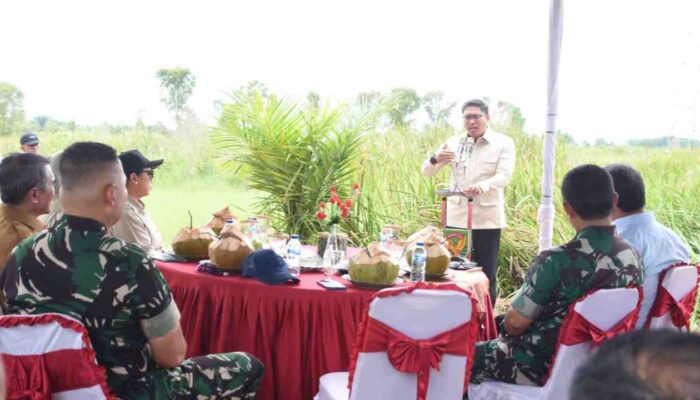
{"x":373,"y":265}
{"x":193,"y":242}
{"x":219,"y":218}
{"x":437,"y":255}
{"x":228,"y":251}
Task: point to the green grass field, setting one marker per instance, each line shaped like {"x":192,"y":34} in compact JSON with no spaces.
{"x":168,"y":203}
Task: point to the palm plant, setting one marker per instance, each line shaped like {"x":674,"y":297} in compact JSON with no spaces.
{"x":292,"y":154}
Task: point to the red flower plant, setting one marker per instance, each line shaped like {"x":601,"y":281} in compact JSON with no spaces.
{"x":336,"y":209}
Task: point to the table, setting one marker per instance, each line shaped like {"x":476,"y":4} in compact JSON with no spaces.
{"x":299,"y":332}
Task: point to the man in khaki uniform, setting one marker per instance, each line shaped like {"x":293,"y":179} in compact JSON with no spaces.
{"x":135,"y":225}
{"x":482,"y":176}
{"x":26,"y":188}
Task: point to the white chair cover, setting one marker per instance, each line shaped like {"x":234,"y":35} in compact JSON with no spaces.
{"x":420,"y":314}
{"x":604,"y":309}
{"x":679,"y":281}
{"x":44,"y":335}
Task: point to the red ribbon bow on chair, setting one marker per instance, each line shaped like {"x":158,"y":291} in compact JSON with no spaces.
{"x":576,"y":329}
{"x":579,"y":329}
{"x":665,"y":302}
{"x":680,"y":310}
{"x":416,"y":356}
{"x":27,"y":378}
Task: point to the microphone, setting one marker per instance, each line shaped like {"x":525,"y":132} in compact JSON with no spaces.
{"x":466,"y":146}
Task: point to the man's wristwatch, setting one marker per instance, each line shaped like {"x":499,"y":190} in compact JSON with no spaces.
{"x":433,"y":160}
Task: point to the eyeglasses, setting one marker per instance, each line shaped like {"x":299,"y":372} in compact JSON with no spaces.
{"x":148,"y":172}
{"x":472,"y":117}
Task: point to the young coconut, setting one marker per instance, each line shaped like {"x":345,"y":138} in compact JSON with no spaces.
{"x":373,"y":265}
{"x":193,"y":242}
{"x":219,"y":218}
{"x":228,"y":251}
{"x":437,"y":256}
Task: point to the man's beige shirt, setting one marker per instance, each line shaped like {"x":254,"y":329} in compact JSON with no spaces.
{"x":490,"y":167}
{"x":15,"y":226}
{"x":136,"y":226}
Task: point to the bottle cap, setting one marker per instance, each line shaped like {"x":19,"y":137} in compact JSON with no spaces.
{"x":229,"y":221}
{"x":295,"y":236}
{"x":419,"y":244}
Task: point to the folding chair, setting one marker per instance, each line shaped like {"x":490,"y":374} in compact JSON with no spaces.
{"x":49,"y":356}
{"x":675,"y":298}
{"x":414,"y":343}
{"x":596,"y":317}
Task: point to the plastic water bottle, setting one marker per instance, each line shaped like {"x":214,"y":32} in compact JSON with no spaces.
{"x":228,"y":225}
{"x":418,"y":263}
{"x":294,"y":255}
{"x":384,"y":238}
{"x":254,"y":233}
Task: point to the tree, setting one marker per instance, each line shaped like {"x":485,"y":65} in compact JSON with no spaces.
{"x":407,"y":101}
{"x":566,"y":137}
{"x":368,"y":100}
{"x":40,"y":121}
{"x":292,"y":154}
{"x":179,"y":83}
{"x":600,"y":142}
{"x":313,"y":99}
{"x":438,"y":112}
{"x":11,"y":111}
{"x":508,"y":118}
{"x":251,"y":87}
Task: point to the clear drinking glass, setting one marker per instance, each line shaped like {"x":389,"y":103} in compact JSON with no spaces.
{"x":278,"y":244}
{"x":332,"y":253}
{"x":396,"y":249}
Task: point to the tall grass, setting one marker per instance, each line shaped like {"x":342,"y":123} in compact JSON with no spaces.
{"x":188,"y":157}
{"x":393,"y":190}
{"x":398,"y":193}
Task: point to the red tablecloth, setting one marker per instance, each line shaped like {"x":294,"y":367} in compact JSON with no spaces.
{"x":299,"y":332}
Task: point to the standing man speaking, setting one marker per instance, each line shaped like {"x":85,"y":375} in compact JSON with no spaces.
{"x":480,"y":170}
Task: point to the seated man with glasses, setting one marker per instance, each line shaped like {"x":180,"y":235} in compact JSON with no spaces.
{"x":135,"y":225}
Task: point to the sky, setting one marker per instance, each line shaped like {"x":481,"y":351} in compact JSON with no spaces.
{"x":629,"y":69}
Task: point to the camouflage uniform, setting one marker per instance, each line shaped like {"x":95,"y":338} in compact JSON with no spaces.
{"x":75,"y":268}
{"x":595,"y":258}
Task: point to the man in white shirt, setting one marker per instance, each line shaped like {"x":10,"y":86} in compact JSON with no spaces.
{"x":482,"y":176}
{"x":657,"y":245}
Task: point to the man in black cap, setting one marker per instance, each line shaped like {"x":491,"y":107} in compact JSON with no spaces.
{"x":136,"y":225}
{"x":29,"y":143}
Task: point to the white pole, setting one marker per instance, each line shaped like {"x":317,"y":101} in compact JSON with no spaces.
{"x":545,"y":215}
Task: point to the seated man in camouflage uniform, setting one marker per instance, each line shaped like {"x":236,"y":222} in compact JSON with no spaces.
{"x":595,"y":258}
{"x":75,"y":268}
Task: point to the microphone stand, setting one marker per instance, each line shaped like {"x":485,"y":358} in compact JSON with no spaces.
{"x":445,"y":193}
